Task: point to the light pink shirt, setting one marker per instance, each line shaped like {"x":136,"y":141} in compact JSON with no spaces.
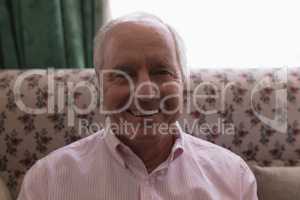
{"x":102,"y":168}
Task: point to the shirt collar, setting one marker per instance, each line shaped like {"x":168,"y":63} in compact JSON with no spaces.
{"x":178,"y":147}
{"x":115,"y":145}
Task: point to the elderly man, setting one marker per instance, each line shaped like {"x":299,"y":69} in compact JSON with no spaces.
{"x":142,"y":153}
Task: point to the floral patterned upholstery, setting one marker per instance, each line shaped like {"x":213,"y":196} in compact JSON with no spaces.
{"x":235,"y":98}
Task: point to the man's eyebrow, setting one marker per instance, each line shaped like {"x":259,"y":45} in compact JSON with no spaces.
{"x":160,"y":58}
{"x":124,"y":67}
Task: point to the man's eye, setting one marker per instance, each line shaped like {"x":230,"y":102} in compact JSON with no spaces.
{"x":117,"y":75}
{"x":166,"y":72}
{"x":131,"y":74}
{"x":162,"y":72}
{"x":123,"y":74}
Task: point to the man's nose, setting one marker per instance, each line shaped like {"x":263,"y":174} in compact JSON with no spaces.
{"x":145,"y":88}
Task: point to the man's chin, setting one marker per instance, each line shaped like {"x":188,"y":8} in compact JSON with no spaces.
{"x":142,"y":133}
{"x":131,"y":125}
{"x":142,"y":120}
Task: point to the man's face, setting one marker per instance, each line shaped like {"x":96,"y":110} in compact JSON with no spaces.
{"x":141,"y":75}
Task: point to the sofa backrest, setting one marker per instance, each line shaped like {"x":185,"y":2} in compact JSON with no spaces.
{"x":243,"y":110}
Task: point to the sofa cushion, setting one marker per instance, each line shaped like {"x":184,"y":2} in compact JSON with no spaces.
{"x":4,"y":193}
{"x":277,"y":183}
{"x":225,"y":93}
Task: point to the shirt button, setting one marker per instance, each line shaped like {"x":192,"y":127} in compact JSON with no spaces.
{"x":161,"y":173}
{"x":147,"y":183}
{"x":152,"y":180}
{"x":126,"y":166}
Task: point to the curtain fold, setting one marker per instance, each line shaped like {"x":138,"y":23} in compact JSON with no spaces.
{"x":48,"y":33}
{"x":73,"y":23}
{"x":8,"y":49}
{"x":88,"y":13}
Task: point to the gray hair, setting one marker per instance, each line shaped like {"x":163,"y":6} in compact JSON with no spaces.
{"x":141,"y":16}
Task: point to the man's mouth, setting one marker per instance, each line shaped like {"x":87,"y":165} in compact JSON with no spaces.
{"x":147,"y":113}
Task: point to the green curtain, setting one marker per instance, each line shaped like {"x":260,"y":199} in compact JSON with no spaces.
{"x":48,"y":33}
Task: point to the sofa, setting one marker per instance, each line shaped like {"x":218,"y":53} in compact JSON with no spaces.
{"x":253,"y":112}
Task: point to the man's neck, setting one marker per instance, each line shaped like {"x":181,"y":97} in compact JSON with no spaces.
{"x":152,"y":150}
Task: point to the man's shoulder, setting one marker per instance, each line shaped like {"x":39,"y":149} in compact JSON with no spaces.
{"x":208,"y":152}
{"x":73,"y":160}
{"x":216,"y":161}
{"x":74,"y":152}
{"x":224,"y":168}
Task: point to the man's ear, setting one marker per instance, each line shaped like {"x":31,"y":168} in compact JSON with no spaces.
{"x":98,"y":85}
{"x":97,"y":82}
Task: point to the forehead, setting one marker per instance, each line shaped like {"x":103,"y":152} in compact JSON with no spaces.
{"x":138,"y":39}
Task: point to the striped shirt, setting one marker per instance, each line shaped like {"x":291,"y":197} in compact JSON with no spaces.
{"x":100,"y":167}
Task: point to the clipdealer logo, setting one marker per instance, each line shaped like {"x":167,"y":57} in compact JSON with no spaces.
{"x":277,"y":82}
